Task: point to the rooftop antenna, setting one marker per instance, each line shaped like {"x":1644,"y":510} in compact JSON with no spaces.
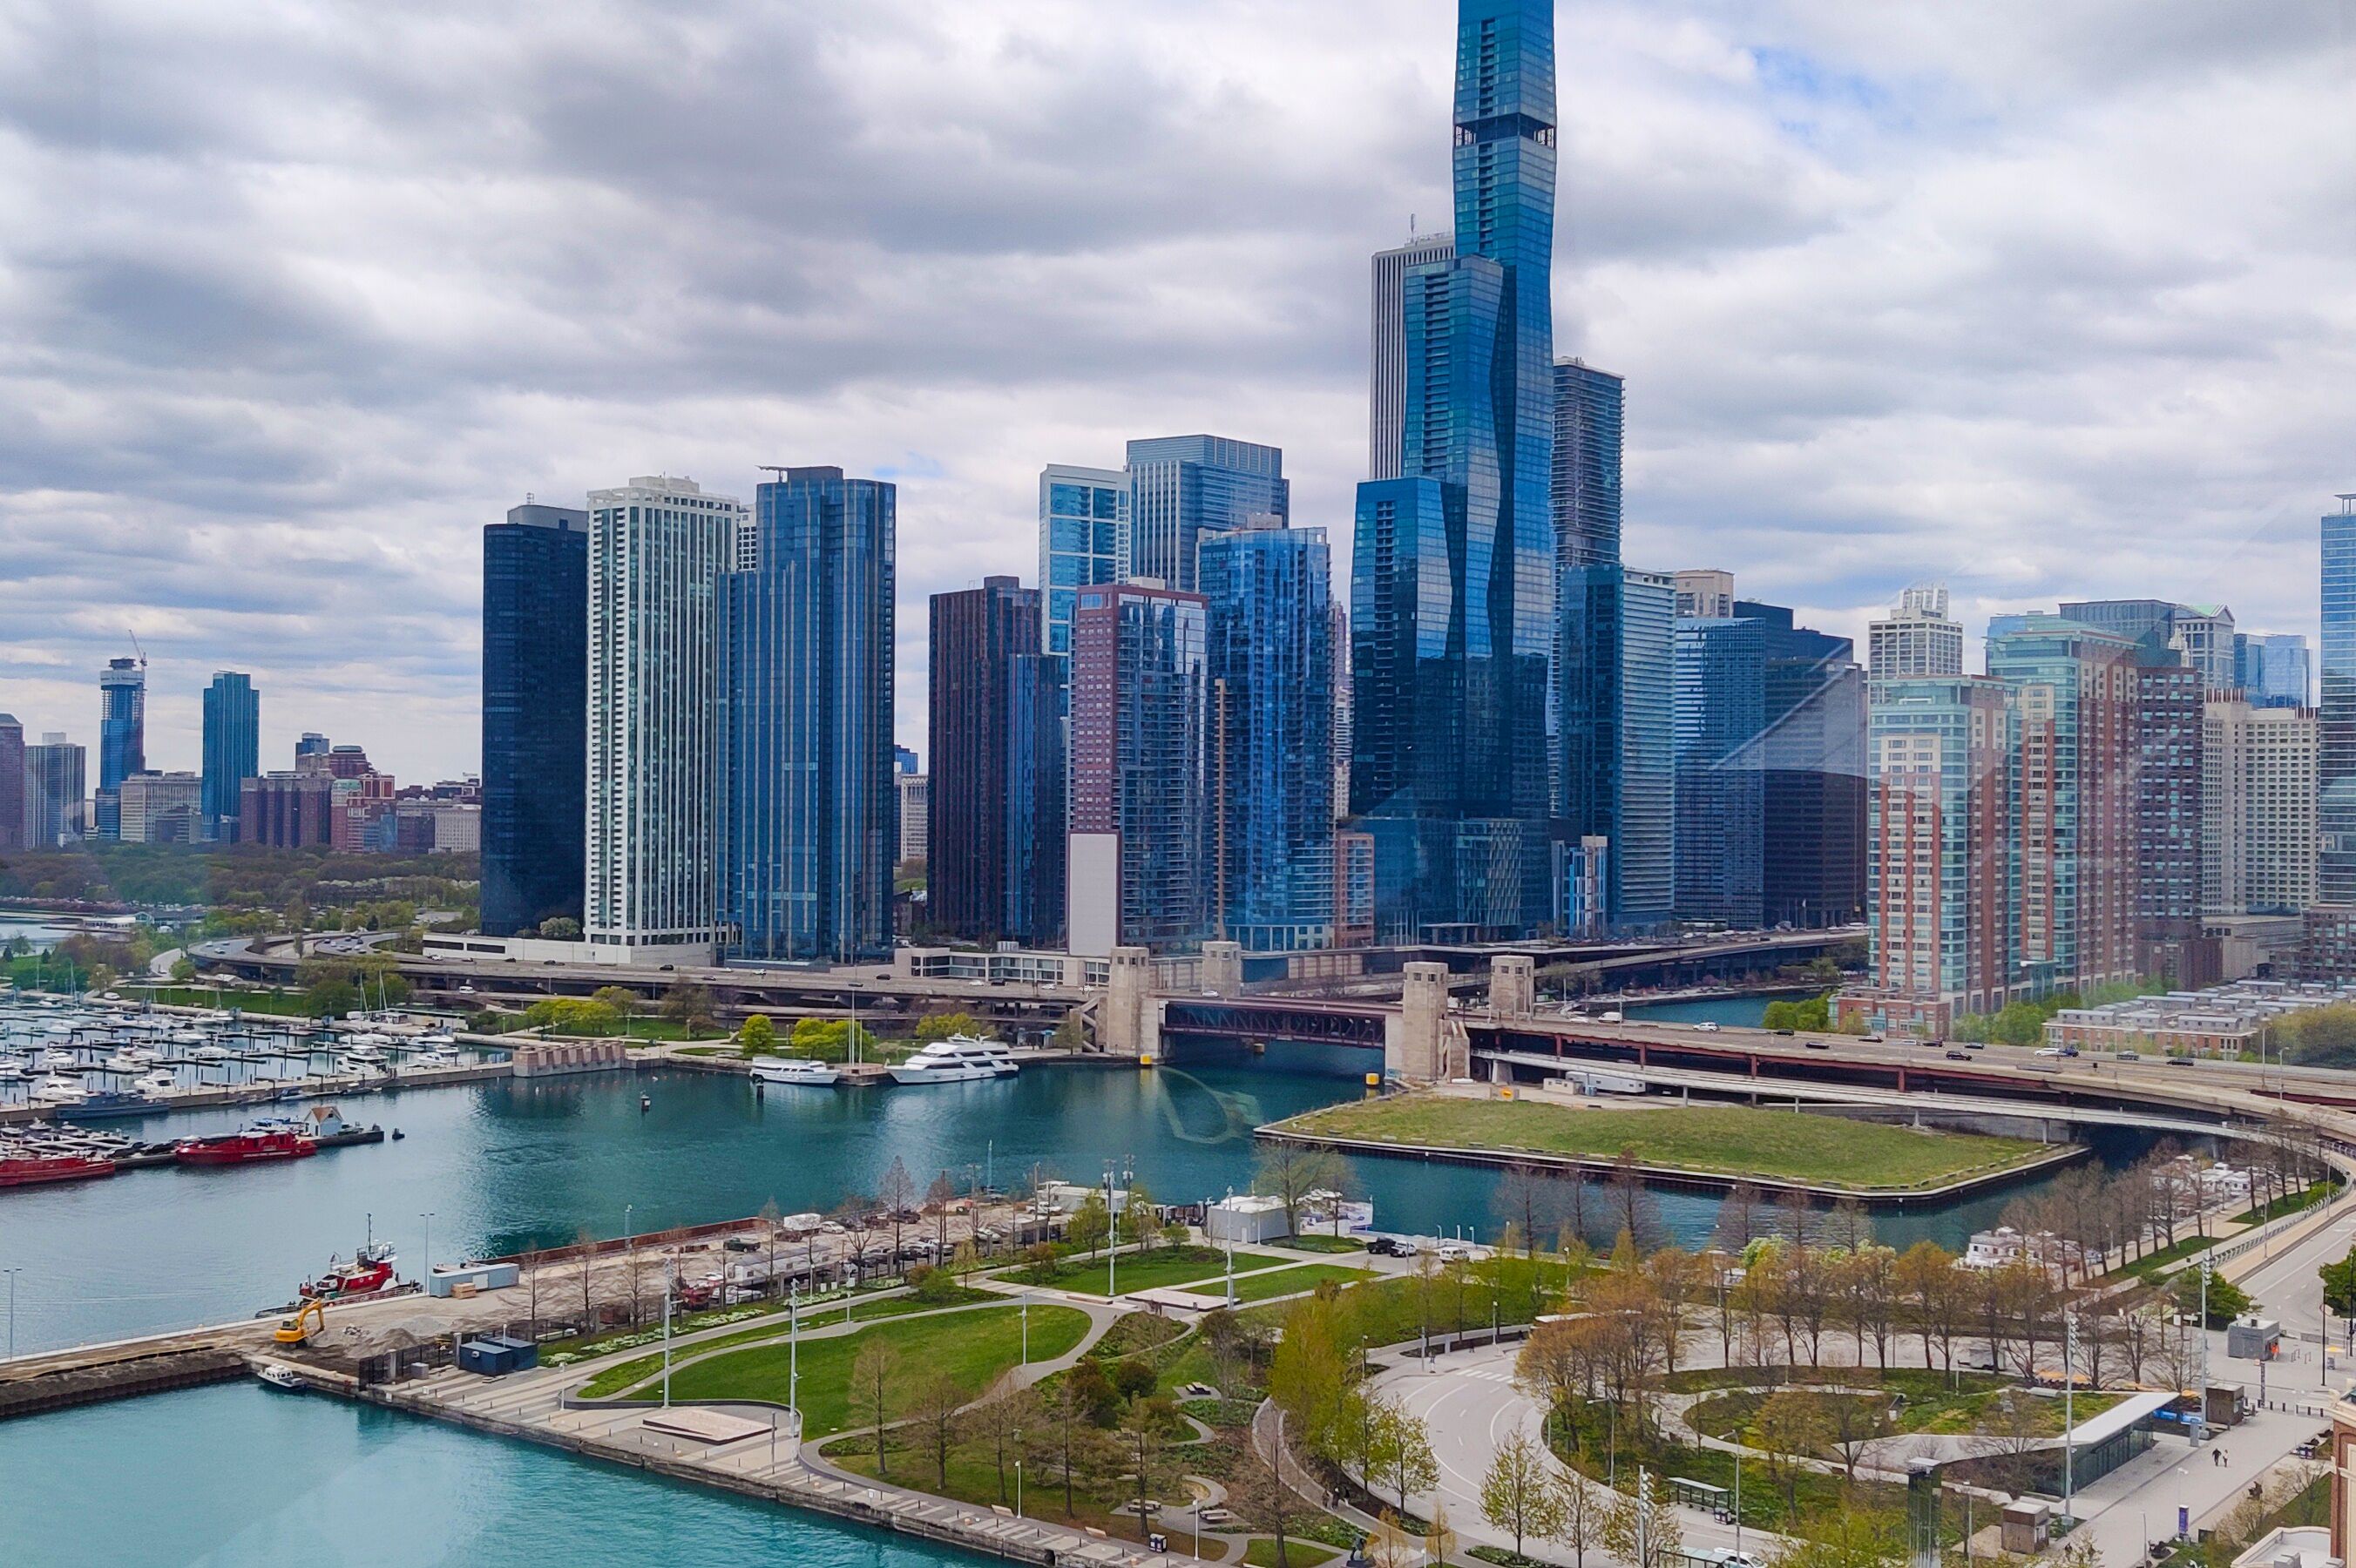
{"x":779,"y":469}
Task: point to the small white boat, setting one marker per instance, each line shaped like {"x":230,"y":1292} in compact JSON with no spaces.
{"x":57,"y":1091}
{"x":210,"y":1054}
{"x":364,"y":1056}
{"x":279,"y":1377}
{"x":141,"y":1054}
{"x":123,"y":1061}
{"x":434,"y":1058}
{"x":797,"y":1070}
{"x":11,"y":1070}
{"x":159,"y":1082}
{"x":437,"y":1042}
{"x":188,"y":1036}
{"x":959,"y":1058}
{"x":59,"y":1059}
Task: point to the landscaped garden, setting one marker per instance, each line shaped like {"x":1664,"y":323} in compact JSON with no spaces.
{"x":1156,"y":1270}
{"x":1724,"y":1140}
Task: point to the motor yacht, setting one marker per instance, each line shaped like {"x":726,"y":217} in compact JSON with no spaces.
{"x":959,"y":1059}
{"x":797,"y":1070}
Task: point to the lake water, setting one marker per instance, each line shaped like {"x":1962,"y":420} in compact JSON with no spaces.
{"x":242,"y":1477}
{"x":33,"y":927}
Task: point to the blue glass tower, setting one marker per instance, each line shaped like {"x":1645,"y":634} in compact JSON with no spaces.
{"x":1082,"y":539}
{"x":811,"y":812}
{"x":2336,"y":759}
{"x":1720,"y":708}
{"x":1477,"y":424}
{"x":1184,"y":487}
{"x":121,"y":737}
{"x":1270,"y":768}
{"x":535,"y":718}
{"x":232,"y":741}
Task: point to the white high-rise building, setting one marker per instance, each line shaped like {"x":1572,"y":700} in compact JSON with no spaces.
{"x":656,"y":548}
{"x":1916,"y":639}
{"x":2258,"y":827}
{"x":1388,"y":377}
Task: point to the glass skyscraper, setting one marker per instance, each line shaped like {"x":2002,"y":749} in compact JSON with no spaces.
{"x":121,"y":737}
{"x":535,"y":717}
{"x":1720,"y":708}
{"x":1588,"y":443}
{"x":1386,"y":371}
{"x":1182,"y":487}
{"x":1083,"y":541}
{"x":232,"y":746}
{"x":1461,"y":837}
{"x":2273,"y":669}
{"x":658,"y":547}
{"x":1270,"y":768}
{"x":1141,"y":839}
{"x":993,"y":864}
{"x":810,"y":809}
{"x":2336,"y":762}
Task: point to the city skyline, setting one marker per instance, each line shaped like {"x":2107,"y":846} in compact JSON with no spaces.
{"x":1820,"y":445}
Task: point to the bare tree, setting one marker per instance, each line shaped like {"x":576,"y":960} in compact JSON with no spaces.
{"x":932,"y":1409}
{"x":996,"y":1420}
{"x":874,"y":1373}
{"x":898,"y":1193}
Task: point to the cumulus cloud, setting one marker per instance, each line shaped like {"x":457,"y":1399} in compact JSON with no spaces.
{"x":2049,"y":297}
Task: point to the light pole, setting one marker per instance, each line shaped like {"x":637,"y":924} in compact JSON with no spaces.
{"x":1026,"y":1329}
{"x":793,"y":1351}
{"x":12,"y":1273}
{"x":427,"y":1273}
{"x":1018,"y":1482}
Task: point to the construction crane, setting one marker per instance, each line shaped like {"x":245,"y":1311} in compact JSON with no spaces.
{"x":137,"y":649}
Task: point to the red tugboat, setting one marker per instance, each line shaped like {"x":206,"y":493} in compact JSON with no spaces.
{"x":255,"y":1143}
{"x":27,"y":1170}
{"x":368,"y":1274}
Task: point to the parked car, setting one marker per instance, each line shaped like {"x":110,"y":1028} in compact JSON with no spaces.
{"x":1391,"y":1247}
{"x":2050,"y":1051}
{"x":1817,"y":1044}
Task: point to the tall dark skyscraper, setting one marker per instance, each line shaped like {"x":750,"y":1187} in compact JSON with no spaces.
{"x":1811,"y":760}
{"x":121,"y":737}
{"x":993,"y":863}
{"x":1184,"y":488}
{"x":810,"y":819}
{"x":16,"y":798}
{"x":1454,"y":559}
{"x":232,"y":744}
{"x":535,"y":717}
{"x":1589,"y":445}
{"x":2336,"y":764}
{"x":54,"y":777}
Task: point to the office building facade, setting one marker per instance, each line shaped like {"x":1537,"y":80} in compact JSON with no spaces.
{"x":1720,"y":708}
{"x":1810,"y":756}
{"x":810,"y":829}
{"x":1184,"y":488}
{"x":233,"y":750}
{"x":1268,"y":596}
{"x":2336,"y":718}
{"x":1137,"y":862}
{"x":287,"y":811}
{"x":1083,"y":541}
{"x":658,"y":547}
{"x":1387,"y":372}
{"x":122,"y":739}
{"x":2273,"y":669}
{"x":1916,"y":639}
{"x":161,"y":809}
{"x":2201,"y":634}
{"x":535,"y":718}
{"x":1589,"y":440}
{"x":1705,"y":594}
{"x":988,"y":815}
{"x":2258,"y":809}
{"x":16,"y":789}
{"x":56,"y":782}
{"x":915,"y":817}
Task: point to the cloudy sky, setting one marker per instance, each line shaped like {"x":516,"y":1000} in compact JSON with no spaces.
{"x":2042,"y":297}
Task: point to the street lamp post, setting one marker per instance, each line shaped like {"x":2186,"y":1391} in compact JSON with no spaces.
{"x":427,"y":1273}
{"x":12,"y":1273}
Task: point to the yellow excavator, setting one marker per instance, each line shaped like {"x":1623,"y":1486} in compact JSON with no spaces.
{"x":292,"y":1330}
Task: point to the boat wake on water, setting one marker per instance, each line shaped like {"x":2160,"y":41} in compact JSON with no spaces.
{"x":1237,"y":1114}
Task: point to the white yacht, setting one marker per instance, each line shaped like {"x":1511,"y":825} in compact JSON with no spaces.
{"x":11,"y":1070}
{"x":361,"y":1054}
{"x":58,"y":1090}
{"x":59,"y":1059}
{"x":956,"y":1060}
{"x":797,"y":1070}
{"x":123,"y":1061}
{"x":433,"y":1056}
{"x":210,"y":1053}
{"x":159,"y":1082}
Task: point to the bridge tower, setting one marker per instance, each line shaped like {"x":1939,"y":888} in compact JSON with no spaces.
{"x":1413,"y":1036}
{"x":1130,"y":1022}
{"x":1223,"y":968}
{"x":1512,"y":986}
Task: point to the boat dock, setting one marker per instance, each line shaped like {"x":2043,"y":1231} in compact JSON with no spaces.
{"x":269,"y":1092}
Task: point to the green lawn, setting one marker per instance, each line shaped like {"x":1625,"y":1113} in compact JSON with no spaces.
{"x":1156,"y":1270}
{"x":1297,"y":1555}
{"x":1980,"y":1413}
{"x":1393,"y":1310}
{"x":1320,"y":1244}
{"x":1722,"y":1140}
{"x":774,"y":1324}
{"x":1286,"y":1281}
{"x":972,"y":1348}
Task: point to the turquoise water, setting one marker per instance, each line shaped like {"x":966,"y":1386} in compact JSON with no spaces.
{"x":503,"y":1166}
{"x":1743,"y":1012}
{"x":239,"y":1475}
